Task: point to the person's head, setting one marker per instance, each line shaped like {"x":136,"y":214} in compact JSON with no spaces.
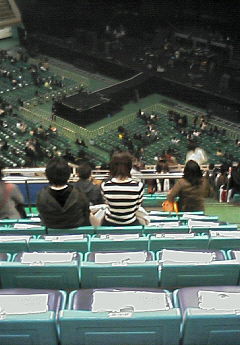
{"x":58,"y":171}
{"x":192,"y":145}
{"x":121,"y":165}
{"x":192,"y":172}
{"x":84,"y":171}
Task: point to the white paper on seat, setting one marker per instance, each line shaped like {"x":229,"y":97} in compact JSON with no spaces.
{"x":30,"y":258}
{"x":219,"y":300}
{"x":230,"y":234}
{"x":199,"y":224}
{"x":137,"y":301}
{"x":237,"y":255}
{"x":194,"y":216}
{"x":14,"y":238}
{"x":64,"y":238}
{"x":176,"y":236}
{"x":124,"y":237}
{"x":178,"y":256}
{"x":154,"y":218}
{"x":35,"y":219}
{"x":23,"y":304}
{"x":123,"y":257}
{"x":165,"y":224}
{"x":26,"y":226}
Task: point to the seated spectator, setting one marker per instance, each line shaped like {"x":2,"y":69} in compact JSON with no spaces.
{"x":190,"y":189}
{"x":11,"y":200}
{"x":123,"y":195}
{"x":234,"y":182}
{"x":60,"y":204}
{"x":85,"y":184}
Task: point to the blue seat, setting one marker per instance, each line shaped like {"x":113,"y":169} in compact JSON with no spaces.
{"x":79,"y":325}
{"x":28,"y":327}
{"x":111,"y":242}
{"x":202,"y":326}
{"x":13,"y":244}
{"x":42,"y":270}
{"x":224,"y":240}
{"x":78,"y":243}
{"x":196,"y":268}
{"x":177,"y":241}
{"x":119,"y":269}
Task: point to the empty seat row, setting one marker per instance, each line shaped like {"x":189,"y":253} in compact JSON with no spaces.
{"x":167,"y":269}
{"x":11,"y":242}
{"x":124,"y":316}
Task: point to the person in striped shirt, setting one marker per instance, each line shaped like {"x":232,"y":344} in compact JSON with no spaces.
{"x":122,"y":194}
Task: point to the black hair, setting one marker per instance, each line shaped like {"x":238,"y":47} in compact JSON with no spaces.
{"x":192,"y":173}
{"x":84,"y":170}
{"x":58,"y":171}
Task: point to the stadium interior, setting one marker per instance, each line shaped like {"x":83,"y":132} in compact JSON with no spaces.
{"x":81,"y":80}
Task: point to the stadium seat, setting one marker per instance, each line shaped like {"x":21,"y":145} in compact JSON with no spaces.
{"x":29,"y":316}
{"x":111,"y":242}
{"x":48,"y":270}
{"x":135,"y":323}
{"x":195,"y":268}
{"x":210,"y":315}
{"x":120,"y":269}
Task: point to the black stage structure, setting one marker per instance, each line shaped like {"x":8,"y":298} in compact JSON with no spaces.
{"x":225,"y":105}
{"x":86,"y":108}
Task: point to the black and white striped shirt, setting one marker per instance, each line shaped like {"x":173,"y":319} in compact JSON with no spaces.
{"x":123,"y":198}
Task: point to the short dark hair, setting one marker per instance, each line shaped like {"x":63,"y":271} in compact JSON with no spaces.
{"x":192,"y":172}
{"x":58,"y":171}
{"x":84,"y":170}
{"x":121,"y":165}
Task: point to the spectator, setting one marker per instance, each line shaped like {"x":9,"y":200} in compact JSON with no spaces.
{"x":61,"y":205}
{"x":11,"y":200}
{"x":234,"y":182}
{"x":85,"y":185}
{"x":190,"y":189}
{"x":123,"y":195}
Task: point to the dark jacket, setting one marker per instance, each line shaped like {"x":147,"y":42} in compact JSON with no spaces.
{"x":92,"y":191}
{"x":74,"y":213}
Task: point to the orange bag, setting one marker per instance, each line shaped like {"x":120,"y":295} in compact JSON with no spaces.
{"x":170,"y":206}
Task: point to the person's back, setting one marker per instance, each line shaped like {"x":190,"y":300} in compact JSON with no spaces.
{"x":61,"y":205}
{"x":123,"y":195}
{"x":11,"y":199}
{"x":190,"y":189}
{"x":85,"y":185}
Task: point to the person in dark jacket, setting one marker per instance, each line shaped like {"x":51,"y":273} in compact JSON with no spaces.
{"x":60,"y":204}
{"x":85,"y":185}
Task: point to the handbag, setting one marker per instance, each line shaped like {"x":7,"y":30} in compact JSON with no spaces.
{"x":170,"y":206}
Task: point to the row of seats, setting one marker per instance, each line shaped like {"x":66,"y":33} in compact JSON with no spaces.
{"x":72,"y":270}
{"x":131,"y":316}
{"x":154,"y":242}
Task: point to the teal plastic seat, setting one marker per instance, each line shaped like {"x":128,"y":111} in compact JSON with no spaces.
{"x":66,"y":243}
{"x":173,"y":274}
{"x":41,"y":273}
{"x":114,"y":242}
{"x":31,"y":328}
{"x":177,"y":241}
{"x":79,"y":325}
{"x":115,"y":272}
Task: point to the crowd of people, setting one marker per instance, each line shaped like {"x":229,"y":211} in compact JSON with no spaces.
{"x":67,"y":205}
